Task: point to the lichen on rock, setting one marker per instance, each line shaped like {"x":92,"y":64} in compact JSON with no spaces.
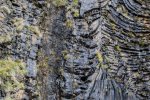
{"x":74,"y":49}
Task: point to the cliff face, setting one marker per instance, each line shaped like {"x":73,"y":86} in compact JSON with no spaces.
{"x":78,"y":50}
{"x":20,"y":39}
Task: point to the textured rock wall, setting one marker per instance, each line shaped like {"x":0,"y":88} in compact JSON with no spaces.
{"x":102,"y":53}
{"x":107,"y":53}
{"x":126,"y":51}
{"x":19,"y":22}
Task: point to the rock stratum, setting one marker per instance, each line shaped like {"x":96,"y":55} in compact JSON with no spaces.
{"x":78,"y":50}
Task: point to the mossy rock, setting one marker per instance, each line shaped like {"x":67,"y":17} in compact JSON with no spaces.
{"x":5,"y":9}
{"x":99,"y":57}
{"x":35,"y":30}
{"x":18,"y":23}
{"x":117,"y":48}
{"x":59,"y":3}
{"x":69,"y":23}
{"x":11,"y":72}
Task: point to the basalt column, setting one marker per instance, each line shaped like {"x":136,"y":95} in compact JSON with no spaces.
{"x":106,"y":55}
{"x":126,"y":45}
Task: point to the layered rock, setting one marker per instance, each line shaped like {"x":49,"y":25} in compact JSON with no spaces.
{"x":19,"y":20}
{"x":102,"y":53}
{"x":118,"y":31}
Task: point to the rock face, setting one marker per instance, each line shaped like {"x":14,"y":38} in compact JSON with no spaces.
{"x":17,"y":17}
{"x":104,"y":54}
{"x":113,"y":30}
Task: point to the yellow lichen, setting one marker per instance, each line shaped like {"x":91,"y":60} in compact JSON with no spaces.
{"x":36,"y":30}
{"x":105,"y":66}
{"x":19,"y":23}
{"x":65,"y":54}
{"x":75,"y":2}
{"x":73,"y":8}
{"x":136,"y":75}
{"x":69,"y":23}
{"x":43,"y":63}
{"x":113,"y":25}
{"x":75,"y":13}
{"x":11,"y":72}
{"x":7,"y":66}
{"x":61,"y":70}
{"x":5,"y":38}
{"x":117,"y":48}
{"x":5,"y":9}
{"x":59,"y":3}
{"x":99,"y":56}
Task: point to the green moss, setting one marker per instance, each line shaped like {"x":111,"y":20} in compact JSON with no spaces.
{"x":113,"y":25}
{"x":141,"y":43}
{"x":61,"y":70}
{"x":53,"y":53}
{"x":69,"y":23}
{"x":43,"y":63}
{"x":5,"y":38}
{"x":7,"y":65}
{"x":66,"y":57}
{"x":76,"y":2}
{"x":76,"y":13}
{"x":19,"y":23}
{"x":73,"y":8}
{"x":65,"y":54}
{"x":59,"y":3}
{"x":105,"y":66}
{"x":10,"y":71}
{"x":43,"y":68}
{"x":5,"y":9}
{"x":129,"y":34}
{"x":99,"y":56}
{"x":35,"y":29}
{"x":136,"y":75}
{"x":117,"y":48}
{"x":100,"y":59}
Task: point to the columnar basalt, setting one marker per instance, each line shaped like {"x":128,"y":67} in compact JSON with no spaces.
{"x":22,"y":42}
{"x":119,"y":31}
{"x":100,"y":53}
{"x":127,"y":48}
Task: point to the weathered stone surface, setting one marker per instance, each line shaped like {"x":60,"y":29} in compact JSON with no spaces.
{"x":103,"y":55}
{"x":112,"y":28}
